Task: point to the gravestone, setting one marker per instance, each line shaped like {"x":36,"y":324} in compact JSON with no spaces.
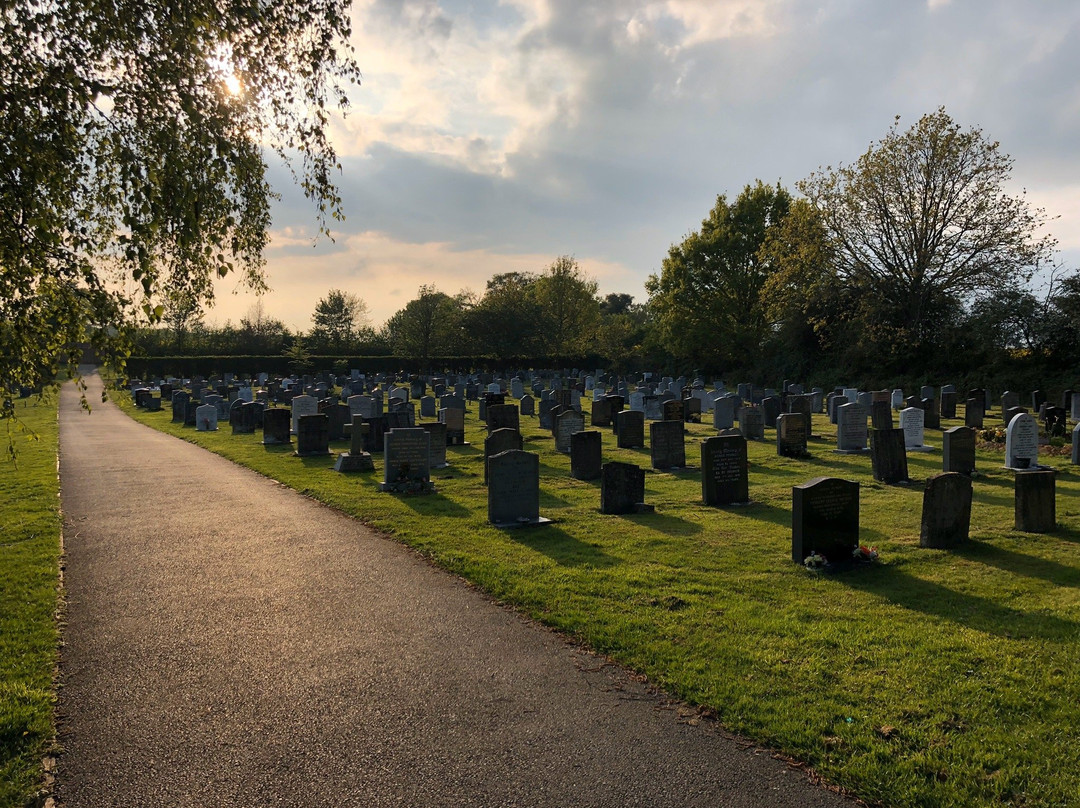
{"x":881,"y":415}
{"x":802,"y":405}
{"x":1075,"y":409}
{"x":948,"y":404}
{"x":897,"y":399}
{"x":825,"y":519}
{"x":427,"y":407}
{"x":502,"y":416}
{"x":377,"y":428}
{"x":313,"y":435}
{"x":244,"y":423}
{"x":1022,"y":443}
{"x":637,"y":401}
{"x":437,"y":446}
{"x":514,"y":489}
{"x":791,"y":435}
{"x":654,"y":409}
{"x":724,"y":470}
{"x":674,"y":411}
{"x":586,"y":455}
{"x":455,"y":426}
{"x":931,"y":419}
{"x":926,"y":391}
{"x":527,"y":405}
{"x":356,"y":459}
{"x":566,"y":424}
{"x":277,"y":426}
{"x":622,"y":489}
{"x":946,"y":511}
{"x":724,"y":412}
{"x":974,"y":412}
{"x":1038,"y":398}
{"x":631,"y":429}
{"x":751,"y":422}
{"x":499,"y":441}
{"x":301,"y":406}
{"x":1009,"y":399}
{"x":546,"y":417}
{"x":1076,"y":445}
{"x":406,"y":461}
{"x":1008,"y":415}
{"x":180,"y":401}
{"x":1035,"y":507}
{"x":888,"y":457}
{"x":601,"y":412}
{"x":338,"y":416}
{"x":770,"y":411}
{"x":958,"y":450}
{"x":667,"y":445}
{"x":851,"y":432}
{"x":206,"y":418}
{"x":911,"y":421}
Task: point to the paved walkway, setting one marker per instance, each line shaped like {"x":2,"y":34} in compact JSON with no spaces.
{"x":232,"y":643}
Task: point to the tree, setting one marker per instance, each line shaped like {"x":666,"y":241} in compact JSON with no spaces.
{"x":706,"y":302}
{"x":568,"y":306}
{"x":507,"y":319}
{"x":337,"y":318}
{"x":921,"y":222}
{"x":428,"y":325}
{"x":260,"y":333}
{"x":132,"y":135}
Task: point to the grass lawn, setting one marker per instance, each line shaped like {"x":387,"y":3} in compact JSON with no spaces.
{"x":931,"y":678}
{"x":29,"y":564}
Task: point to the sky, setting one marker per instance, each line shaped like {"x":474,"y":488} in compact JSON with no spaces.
{"x":496,"y":135}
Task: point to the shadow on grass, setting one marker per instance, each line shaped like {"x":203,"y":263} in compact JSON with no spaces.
{"x":972,"y":611}
{"x":664,"y":523}
{"x":434,"y":505}
{"x":1019,"y":563}
{"x":561,"y":547}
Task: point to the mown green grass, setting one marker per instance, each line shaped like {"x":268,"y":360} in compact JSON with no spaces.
{"x":29,"y":570}
{"x":930,"y":678}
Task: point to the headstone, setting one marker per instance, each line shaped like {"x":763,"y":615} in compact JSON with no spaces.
{"x":1009,"y":399}
{"x":926,"y":391}
{"x":1035,"y":507}
{"x":946,"y":511}
{"x":887,"y":456}
{"x":791,"y":435}
{"x":301,"y":406}
{"x":674,"y":411}
{"x":313,"y":435}
{"x":277,"y":426}
{"x":427,"y":406}
{"x":546,"y":417}
{"x":851,"y":434}
{"x":931,"y":419}
{"x":825,"y":519}
{"x":1022,"y":443}
{"x":881,"y":415}
{"x":751,"y":422}
{"x":1008,"y":415}
{"x":206,"y":418}
{"x":724,"y":413}
{"x":631,"y":426}
{"x":455,"y":426}
{"x":586,"y":455}
{"x":1076,"y":445}
{"x":1075,"y":408}
{"x":897,"y":399}
{"x":180,"y":401}
{"x":948,"y":404}
{"x":601,"y":413}
{"x":356,"y":459}
{"x":770,"y":410}
{"x":958,"y":450}
{"x":502,"y":416}
{"x":245,"y":418}
{"x":1038,"y":398}
{"x":911,"y":421}
{"x":499,"y":441}
{"x":437,"y":446}
{"x":527,"y":405}
{"x":667,"y":445}
{"x":406,"y":459}
{"x":724,"y":470}
{"x":566,"y":424}
{"x":974,"y":412}
{"x":514,"y":489}
{"x":622,"y":488}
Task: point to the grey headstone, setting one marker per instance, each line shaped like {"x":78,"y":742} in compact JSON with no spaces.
{"x":946,"y":511}
{"x":514,"y":489}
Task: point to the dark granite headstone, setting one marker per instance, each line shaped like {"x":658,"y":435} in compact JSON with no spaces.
{"x":1035,"y":506}
{"x":566,"y":424}
{"x":499,"y":441}
{"x":179,"y":406}
{"x":514,"y":489}
{"x":437,"y":431}
{"x":527,"y":405}
{"x":1008,"y":415}
{"x":631,"y":429}
{"x":946,"y":511}
{"x":771,"y":407}
{"x":888,"y":455}
{"x":975,"y":412}
{"x":791,"y":435}
{"x":948,"y":404}
{"x":502,"y":416}
{"x":958,"y":450}
{"x":667,"y":444}
{"x":277,"y":426}
{"x":674,"y":411}
{"x":931,"y":419}
{"x":586,"y":455}
{"x":825,"y":519}
{"x":622,"y":489}
{"x":312,"y":435}
{"x":407,"y":461}
{"x":881,"y":415}
{"x":242,"y":418}
{"x":724,"y":470}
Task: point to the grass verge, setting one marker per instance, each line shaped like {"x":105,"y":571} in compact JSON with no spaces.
{"x":29,"y":570}
{"x":931,"y":678}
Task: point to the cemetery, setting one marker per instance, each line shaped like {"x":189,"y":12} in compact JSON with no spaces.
{"x":840,"y":591}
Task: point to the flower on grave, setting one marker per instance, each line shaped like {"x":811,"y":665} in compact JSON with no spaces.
{"x":814,"y":561}
{"x":864,"y":553}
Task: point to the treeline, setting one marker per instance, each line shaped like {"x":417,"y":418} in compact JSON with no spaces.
{"x":912,"y":263}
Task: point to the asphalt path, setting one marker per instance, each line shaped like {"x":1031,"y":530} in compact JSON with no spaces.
{"x":230,"y":642}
